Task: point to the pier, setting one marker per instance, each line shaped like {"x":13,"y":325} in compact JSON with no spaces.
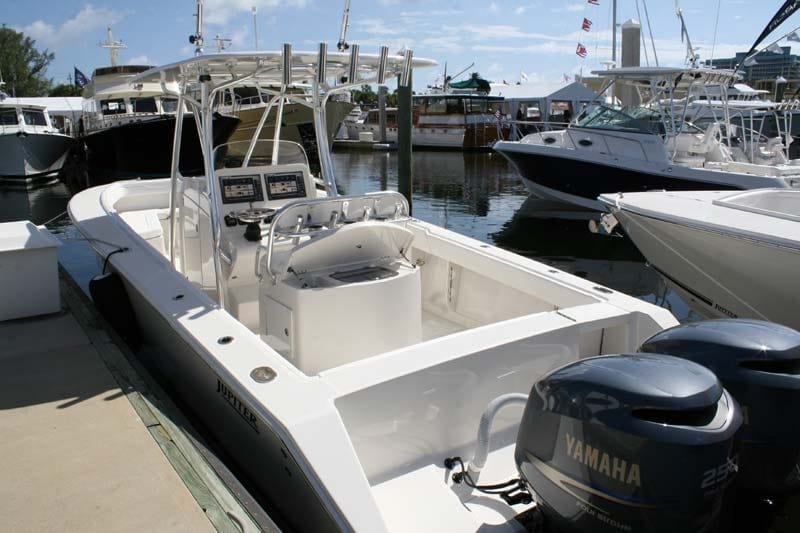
{"x":91,"y":443}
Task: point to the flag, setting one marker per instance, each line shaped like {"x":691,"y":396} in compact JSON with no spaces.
{"x":566,"y":78}
{"x":793,"y":37}
{"x":595,"y":2}
{"x":789,"y":7}
{"x":522,"y":76}
{"x":586,"y":24}
{"x":80,"y":79}
{"x":581,"y":50}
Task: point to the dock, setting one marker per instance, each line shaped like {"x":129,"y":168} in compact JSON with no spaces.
{"x":90,"y":443}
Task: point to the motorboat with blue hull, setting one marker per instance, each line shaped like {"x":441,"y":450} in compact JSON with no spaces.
{"x":651,"y":147}
{"x":729,"y":254}
{"x":367,"y":370}
{"x":32,"y":150}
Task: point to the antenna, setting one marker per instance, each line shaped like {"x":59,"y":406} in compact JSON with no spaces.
{"x":197,"y":38}
{"x":342,"y":44}
{"x":113,"y":47}
{"x":221,"y":43}
{"x":691,"y":54}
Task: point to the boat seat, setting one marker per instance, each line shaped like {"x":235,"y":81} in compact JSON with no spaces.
{"x":343,"y":296}
{"x":147,"y":224}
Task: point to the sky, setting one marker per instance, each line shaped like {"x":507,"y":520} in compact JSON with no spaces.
{"x":503,"y":40}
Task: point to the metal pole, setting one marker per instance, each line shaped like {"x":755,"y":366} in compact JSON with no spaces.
{"x":213,"y":211}
{"x":382,"y":112}
{"x":255,"y":27}
{"x":614,"y":33}
{"x":174,"y":173}
{"x":404,"y":176}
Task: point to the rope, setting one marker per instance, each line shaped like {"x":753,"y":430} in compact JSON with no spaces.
{"x":716,"y":24}
{"x":650,"y":29}
{"x":644,"y":42}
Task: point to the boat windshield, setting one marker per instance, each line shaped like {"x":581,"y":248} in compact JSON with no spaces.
{"x":232,"y":155}
{"x":635,"y":120}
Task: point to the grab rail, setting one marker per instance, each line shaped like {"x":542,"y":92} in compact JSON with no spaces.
{"x":322,"y":216}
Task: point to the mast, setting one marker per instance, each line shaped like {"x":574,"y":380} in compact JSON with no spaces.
{"x":113,"y":47}
{"x":254,"y":10}
{"x":342,"y":44}
{"x":614,"y":32}
{"x":197,"y":38}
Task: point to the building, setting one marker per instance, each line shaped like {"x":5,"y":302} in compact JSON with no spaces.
{"x":767,"y":72}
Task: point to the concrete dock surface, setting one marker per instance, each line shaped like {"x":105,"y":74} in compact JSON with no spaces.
{"x":75,"y":452}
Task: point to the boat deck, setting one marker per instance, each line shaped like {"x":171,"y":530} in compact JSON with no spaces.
{"x":84,"y":448}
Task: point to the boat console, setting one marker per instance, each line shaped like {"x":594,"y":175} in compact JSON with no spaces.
{"x":301,"y":270}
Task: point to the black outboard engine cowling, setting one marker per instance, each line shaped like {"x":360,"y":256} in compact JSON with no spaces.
{"x":629,"y":443}
{"x":759,"y":364}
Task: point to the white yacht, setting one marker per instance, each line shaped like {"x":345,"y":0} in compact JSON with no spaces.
{"x":731,"y":255}
{"x":451,"y":121}
{"x":31,"y":148}
{"x":651,"y":147}
{"x":338,"y":348}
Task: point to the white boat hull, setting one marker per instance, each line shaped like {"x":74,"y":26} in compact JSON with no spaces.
{"x":720,"y":275}
{"x":32,"y":154}
{"x":381,"y":437}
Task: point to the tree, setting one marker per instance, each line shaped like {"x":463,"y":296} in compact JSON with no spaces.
{"x":22,"y":65}
{"x":365,"y":96}
{"x":66,"y":89}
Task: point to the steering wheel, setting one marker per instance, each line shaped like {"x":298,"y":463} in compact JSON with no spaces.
{"x":254,"y":215}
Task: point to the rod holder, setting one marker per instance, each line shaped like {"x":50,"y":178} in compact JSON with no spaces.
{"x":322,"y":63}
{"x":405,"y":74}
{"x":383,"y":59}
{"x":353,"y":72}
{"x":287,"y":64}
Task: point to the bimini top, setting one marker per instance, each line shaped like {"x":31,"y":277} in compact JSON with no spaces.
{"x":268,"y":68}
{"x":646,"y":76}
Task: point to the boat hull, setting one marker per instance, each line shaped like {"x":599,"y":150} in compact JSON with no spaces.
{"x":721,"y":275}
{"x":144,"y":149}
{"x":30,"y":155}
{"x":580,"y":182}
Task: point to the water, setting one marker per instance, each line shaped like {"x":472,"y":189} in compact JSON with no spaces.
{"x":475,"y":194}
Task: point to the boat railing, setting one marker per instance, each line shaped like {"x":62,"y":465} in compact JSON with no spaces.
{"x":318,"y":217}
{"x":521,"y":128}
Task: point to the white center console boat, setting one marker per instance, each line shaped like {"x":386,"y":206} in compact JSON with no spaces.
{"x":338,"y":348}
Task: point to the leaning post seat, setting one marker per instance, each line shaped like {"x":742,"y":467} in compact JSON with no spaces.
{"x":342,"y":293}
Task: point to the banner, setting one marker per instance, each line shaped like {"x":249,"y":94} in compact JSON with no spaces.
{"x":789,"y":7}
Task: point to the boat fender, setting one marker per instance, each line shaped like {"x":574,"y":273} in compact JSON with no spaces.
{"x":112,"y":302}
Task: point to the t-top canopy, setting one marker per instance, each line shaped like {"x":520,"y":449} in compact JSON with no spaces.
{"x":267,"y":68}
{"x":645,"y":76}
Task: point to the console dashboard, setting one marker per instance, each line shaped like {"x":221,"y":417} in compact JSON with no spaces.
{"x":267,"y":186}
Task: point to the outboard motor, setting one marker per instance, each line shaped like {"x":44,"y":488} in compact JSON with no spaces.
{"x":759,"y":364}
{"x":637,"y":443}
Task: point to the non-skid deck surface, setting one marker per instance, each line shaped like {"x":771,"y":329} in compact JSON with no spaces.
{"x":74,"y":455}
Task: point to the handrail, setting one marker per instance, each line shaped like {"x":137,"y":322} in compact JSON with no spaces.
{"x":308,"y":219}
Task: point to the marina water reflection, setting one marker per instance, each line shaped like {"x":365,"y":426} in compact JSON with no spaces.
{"x":476,"y":194}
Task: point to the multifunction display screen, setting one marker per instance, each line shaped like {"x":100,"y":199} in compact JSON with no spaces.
{"x":285,"y":185}
{"x":241,"y":189}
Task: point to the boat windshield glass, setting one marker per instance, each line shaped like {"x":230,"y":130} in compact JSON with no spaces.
{"x":113,"y":107}
{"x":231,"y":155}
{"x":169,"y":105}
{"x":144,"y":105}
{"x":635,"y":120}
{"x":8,"y":117}
{"x":34,"y":117}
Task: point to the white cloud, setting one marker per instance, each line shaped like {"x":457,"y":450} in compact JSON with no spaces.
{"x":140,"y":60}
{"x":221,"y":11}
{"x":73,"y":30}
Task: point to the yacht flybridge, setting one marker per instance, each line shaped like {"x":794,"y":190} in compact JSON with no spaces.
{"x":653,"y":146}
{"x":342,"y":351}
